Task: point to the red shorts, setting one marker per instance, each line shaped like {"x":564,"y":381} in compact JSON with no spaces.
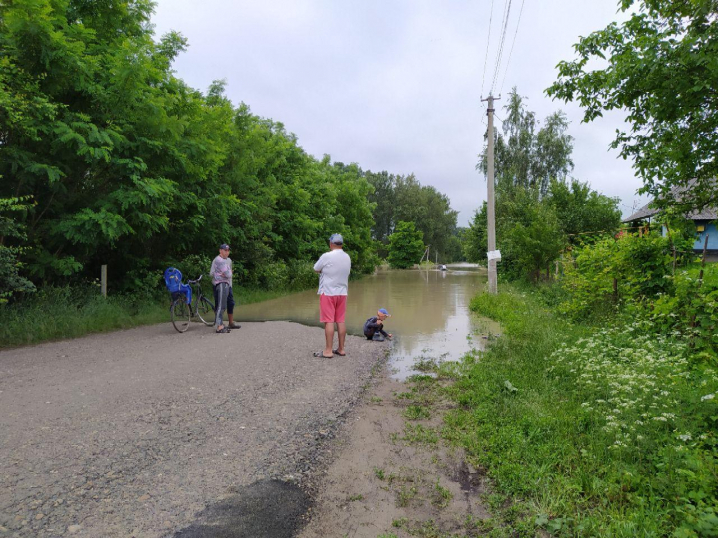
{"x":332,"y":308}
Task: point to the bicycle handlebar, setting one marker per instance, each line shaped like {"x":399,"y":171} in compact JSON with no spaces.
{"x":195,"y":281}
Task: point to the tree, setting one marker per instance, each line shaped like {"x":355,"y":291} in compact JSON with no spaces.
{"x":384,"y":198}
{"x":403,"y":198}
{"x":405,"y":245}
{"x":583,"y":211}
{"x":475,"y":239}
{"x":127,"y":165}
{"x":428,"y":209}
{"x":662,"y":69}
{"x":526,"y":158}
{"x":536,"y":243}
{"x":11,"y":282}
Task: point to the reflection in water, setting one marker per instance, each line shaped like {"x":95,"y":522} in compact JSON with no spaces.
{"x":429,"y":310}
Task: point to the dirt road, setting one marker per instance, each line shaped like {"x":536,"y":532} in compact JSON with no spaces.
{"x":151,"y":433}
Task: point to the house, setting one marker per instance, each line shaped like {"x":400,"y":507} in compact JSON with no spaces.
{"x":705,"y":221}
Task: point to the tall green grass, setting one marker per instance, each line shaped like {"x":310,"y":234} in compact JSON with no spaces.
{"x":598,"y":431}
{"x":56,"y":313}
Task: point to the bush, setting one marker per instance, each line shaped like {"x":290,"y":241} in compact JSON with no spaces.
{"x":638,"y":264}
{"x":692,"y":308}
{"x":302,"y":275}
{"x":273,"y":276}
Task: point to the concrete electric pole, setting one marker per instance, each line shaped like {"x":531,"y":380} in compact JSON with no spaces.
{"x":491,"y":224}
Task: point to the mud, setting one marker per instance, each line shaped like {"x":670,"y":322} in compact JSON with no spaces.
{"x":385,"y":481}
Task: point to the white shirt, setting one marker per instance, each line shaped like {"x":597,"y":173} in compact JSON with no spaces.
{"x":335,"y":266}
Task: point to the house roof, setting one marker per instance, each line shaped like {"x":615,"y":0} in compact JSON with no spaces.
{"x":647,"y":211}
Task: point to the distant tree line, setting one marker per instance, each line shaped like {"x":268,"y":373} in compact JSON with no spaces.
{"x":403,"y":199}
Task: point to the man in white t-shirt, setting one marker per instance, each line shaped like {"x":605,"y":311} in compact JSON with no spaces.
{"x":333,"y":268}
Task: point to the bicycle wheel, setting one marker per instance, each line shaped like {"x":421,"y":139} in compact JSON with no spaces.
{"x":205,"y":311}
{"x":181,"y":314}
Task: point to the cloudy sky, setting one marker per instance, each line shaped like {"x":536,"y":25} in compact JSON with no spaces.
{"x":396,"y":85}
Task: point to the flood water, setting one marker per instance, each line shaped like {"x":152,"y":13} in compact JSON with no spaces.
{"x":430,"y":317}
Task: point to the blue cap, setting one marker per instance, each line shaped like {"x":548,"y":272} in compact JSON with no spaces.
{"x":383,"y":311}
{"x":224,"y":246}
{"x":336,"y":239}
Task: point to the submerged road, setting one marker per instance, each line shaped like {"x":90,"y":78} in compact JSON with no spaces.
{"x":150,"y":433}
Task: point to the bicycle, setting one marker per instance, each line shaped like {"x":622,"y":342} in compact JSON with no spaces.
{"x":182,"y":311}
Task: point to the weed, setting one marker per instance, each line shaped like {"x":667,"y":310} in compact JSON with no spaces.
{"x":416,"y":412}
{"x":441,"y":496}
{"x":399,"y":523}
{"x":420,"y":435}
{"x":379,"y":473}
{"x":426,"y":364}
{"x":356,"y":497}
{"x":405,"y":494}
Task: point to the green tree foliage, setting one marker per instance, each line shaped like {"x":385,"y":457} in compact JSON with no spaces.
{"x":475,"y":239}
{"x":537,"y":241}
{"x":583,"y":212}
{"x":11,"y":282}
{"x":405,"y":245}
{"x":525,"y":157}
{"x":539,"y":210}
{"x":660,"y":66}
{"x":129,"y":166}
{"x":384,"y":197}
{"x":610,"y":270}
{"x":403,"y":198}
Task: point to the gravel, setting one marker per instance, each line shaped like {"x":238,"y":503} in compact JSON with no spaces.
{"x":152,"y":433}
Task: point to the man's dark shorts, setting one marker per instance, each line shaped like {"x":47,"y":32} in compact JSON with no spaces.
{"x":230,"y":299}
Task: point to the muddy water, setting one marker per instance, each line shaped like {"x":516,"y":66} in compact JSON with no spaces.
{"x":430,"y":317}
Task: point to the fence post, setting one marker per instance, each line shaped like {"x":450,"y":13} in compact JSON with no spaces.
{"x":103,"y":280}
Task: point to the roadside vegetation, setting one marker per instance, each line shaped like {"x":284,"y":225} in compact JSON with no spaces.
{"x":595,"y":410}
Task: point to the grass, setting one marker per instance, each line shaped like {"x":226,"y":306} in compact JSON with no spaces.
{"x":68,"y":312}
{"x":416,"y":434}
{"x":589,"y":431}
{"x":441,"y":496}
{"x":416,"y":412}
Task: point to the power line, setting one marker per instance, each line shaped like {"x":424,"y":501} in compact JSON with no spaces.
{"x":507,"y":11}
{"x":488,"y":41}
{"x":512,"y":46}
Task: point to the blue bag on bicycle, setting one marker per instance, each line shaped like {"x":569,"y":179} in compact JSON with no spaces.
{"x":173,"y":281}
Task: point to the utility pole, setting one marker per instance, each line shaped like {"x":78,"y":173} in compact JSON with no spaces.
{"x":491,"y":224}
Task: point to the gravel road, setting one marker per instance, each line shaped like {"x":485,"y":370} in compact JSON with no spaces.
{"x":152,"y":433}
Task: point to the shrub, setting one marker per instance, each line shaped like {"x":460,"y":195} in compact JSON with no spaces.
{"x":638,"y":265}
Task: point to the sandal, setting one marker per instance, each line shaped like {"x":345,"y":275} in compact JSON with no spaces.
{"x":322,"y":355}
{"x":222,"y":330}
{"x":336,"y":352}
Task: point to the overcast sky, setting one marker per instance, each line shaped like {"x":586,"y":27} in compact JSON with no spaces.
{"x":396,"y":85}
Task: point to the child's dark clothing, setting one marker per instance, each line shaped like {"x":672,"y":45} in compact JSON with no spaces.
{"x":372,"y":326}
